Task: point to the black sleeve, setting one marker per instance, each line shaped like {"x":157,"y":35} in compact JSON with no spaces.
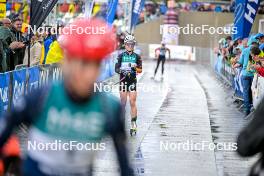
{"x":117,"y":132}
{"x":118,"y":64}
{"x":24,"y":112}
{"x":251,"y":138}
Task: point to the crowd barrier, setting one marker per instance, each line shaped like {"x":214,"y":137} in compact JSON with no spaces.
{"x":20,"y":82}
{"x":234,"y":78}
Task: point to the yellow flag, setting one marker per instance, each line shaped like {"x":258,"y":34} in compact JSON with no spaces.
{"x":71,"y":8}
{"x":2,"y":10}
{"x":96,"y":9}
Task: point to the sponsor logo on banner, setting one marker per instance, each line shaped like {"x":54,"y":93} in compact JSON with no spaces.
{"x":244,"y":17}
{"x":56,"y":73}
{"x":177,"y":52}
{"x":138,"y":5}
{"x":47,"y":5}
{"x":33,"y":81}
{"x":44,"y":75}
{"x":19,"y":84}
{"x":4,"y":91}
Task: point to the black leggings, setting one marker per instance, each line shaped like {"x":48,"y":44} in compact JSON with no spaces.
{"x":160,"y":59}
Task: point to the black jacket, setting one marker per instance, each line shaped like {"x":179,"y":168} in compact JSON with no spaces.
{"x":251,"y":139}
{"x":17,"y":56}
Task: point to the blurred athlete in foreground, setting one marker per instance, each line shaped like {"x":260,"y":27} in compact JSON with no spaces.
{"x":70,"y":112}
{"x":128,"y":65}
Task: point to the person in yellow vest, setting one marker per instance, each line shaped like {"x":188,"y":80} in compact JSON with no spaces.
{"x":55,"y":54}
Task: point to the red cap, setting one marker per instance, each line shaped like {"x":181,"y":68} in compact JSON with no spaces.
{"x":88,"y":39}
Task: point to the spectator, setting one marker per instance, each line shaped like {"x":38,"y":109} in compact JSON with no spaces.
{"x":35,"y":51}
{"x":260,"y":37}
{"x":8,"y":45}
{"x":245,"y":42}
{"x":261,"y":9}
{"x":6,"y":22}
{"x":201,"y":8}
{"x":258,"y":57}
{"x":237,"y":52}
{"x":17,"y":55}
{"x":232,"y":6}
{"x":163,"y":8}
{"x":230,"y":45}
{"x":218,"y":8}
{"x":247,"y":74}
{"x":48,"y":39}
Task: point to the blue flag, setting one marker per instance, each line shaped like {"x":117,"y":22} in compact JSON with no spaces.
{"x":245,"y":14}
{"x":137,"y":7}
{"x":111,"y":11}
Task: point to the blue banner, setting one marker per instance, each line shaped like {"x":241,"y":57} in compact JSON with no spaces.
{"x":19,"y":85}
{"x":137,"y":7}
{"x":238,"y":83}
{"x":4,"y":91}
{"x":111,"y":11}
{"x":245,"y":14}
{"x":105,"y":71}
{"x":33,"y":81}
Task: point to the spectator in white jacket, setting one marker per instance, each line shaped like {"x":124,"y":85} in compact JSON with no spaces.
{"x":35,"y":51}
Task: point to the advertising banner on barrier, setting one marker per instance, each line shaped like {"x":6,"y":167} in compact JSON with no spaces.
{"x":44,"y":72}
{"x":257,"y":90}
{"x":177,"y":52}
{"x":218,"y":64}
{"x":4,"y":91}
{"x":33,"y":81}
{"x":55,"y":72}
{"x":25,"y":80}
{"x":238,"y":83}
{"x":169,"y":35}
{"x":19,"y":84}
